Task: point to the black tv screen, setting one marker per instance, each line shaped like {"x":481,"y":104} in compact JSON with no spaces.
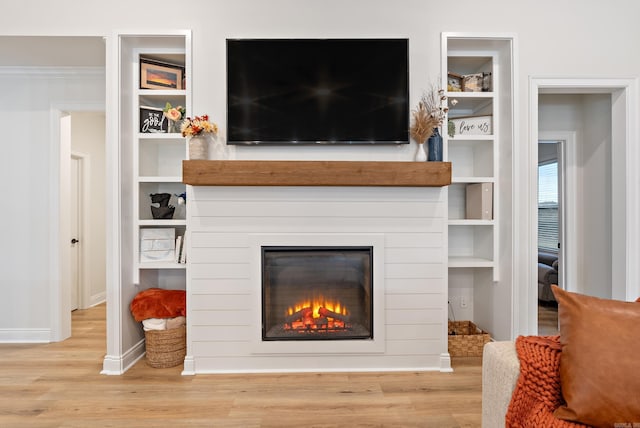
{"x":310,"y":91}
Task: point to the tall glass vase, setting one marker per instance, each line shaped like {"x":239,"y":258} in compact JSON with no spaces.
{"x":435,"y":146}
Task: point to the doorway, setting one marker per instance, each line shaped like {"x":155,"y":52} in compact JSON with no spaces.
{"x":606,"y":206}
{"x":82,"y":237}
{"x":550,"y":232}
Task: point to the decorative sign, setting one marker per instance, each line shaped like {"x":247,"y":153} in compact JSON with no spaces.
{"x":152,"y":120}
{"x":472,"y":125}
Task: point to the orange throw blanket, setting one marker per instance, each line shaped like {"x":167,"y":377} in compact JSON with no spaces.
{"x":158,"y":303}
{"x":537,"y":393}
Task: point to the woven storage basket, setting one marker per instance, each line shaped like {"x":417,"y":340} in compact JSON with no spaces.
{"x":166,"y":348}
{"x":467,"y":339}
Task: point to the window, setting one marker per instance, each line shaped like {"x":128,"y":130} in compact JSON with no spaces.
{"x":548,"y":206}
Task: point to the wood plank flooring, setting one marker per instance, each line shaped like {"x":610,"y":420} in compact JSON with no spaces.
{"x":59,"y":385}
{"x":548,"y":320}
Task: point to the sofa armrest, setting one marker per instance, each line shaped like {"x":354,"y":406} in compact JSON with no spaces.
{"x":500,"y":371}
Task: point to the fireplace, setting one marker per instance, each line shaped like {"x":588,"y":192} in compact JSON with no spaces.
{"x":317,"y":293}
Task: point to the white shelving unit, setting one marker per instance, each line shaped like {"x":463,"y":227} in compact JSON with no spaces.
{"x":472,"y":242}
{"x":478,"y":248}
{"x":157,"y":159}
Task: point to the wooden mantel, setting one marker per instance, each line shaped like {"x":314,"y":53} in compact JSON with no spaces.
{"x":315,"y":173}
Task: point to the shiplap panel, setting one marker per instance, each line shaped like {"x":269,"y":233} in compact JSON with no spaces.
{"x":334,"y":194}
{"x":428,"y":361}
{"x":219,"y":270}
{"x":415,"y":270}
{"x":410,"y":347}
{"x":221,"y":349}
{"x":221,"y":302}
{"x":198,"y":317}
{"x":238,"y":349}
{"x":223,"y":224}
{"x":414,"y":286}
{"x":413,"y":316}
{"x":315,"y":224}
{"x":411,"y":301}
{"x":220,"y":286}
{"x":221,"y":333}
{"x":219,"y":254}
{"x":415,"y":239}
{"x":414,"y":255}
{"x":214,"y":240}
{"x":318,"y":209}
{"x":415,"y":331}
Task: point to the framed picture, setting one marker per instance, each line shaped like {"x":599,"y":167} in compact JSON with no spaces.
{"x":152,"y":120}
{"x":477,"y":82}
{"x":159,"y":75}
{"x":454,"y":82}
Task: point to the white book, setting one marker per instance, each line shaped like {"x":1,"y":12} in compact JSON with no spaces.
{"x":178,"y":248}
{"x":183,"y":252}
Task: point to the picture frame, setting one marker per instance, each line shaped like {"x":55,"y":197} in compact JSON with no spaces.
{"x":477,"y":82}
{"x":153,"y":121}
{"x":454,"y":82}
{"x":160,"y":75}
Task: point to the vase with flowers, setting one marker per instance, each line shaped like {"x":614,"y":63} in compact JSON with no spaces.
{"x":426,"y":121}
{"x":174,"y":115}
{"x":199,"y":131}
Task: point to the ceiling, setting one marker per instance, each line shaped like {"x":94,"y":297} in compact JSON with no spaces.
{"x":54,"y":51}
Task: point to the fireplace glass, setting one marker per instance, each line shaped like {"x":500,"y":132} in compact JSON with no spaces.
{"x":317,"y":293}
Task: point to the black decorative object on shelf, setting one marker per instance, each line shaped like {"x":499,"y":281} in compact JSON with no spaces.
{"x":435,"y":146}
{"x":160,"y":208}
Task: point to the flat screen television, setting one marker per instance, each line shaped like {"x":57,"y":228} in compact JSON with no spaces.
{"x":318,"y":91}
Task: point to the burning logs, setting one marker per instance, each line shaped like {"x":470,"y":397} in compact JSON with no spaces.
{"x":324,"y":312}
{"x":300,"y":315}
{"x":304,"y":319}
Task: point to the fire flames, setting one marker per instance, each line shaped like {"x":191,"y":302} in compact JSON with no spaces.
{"x":316,"y":314}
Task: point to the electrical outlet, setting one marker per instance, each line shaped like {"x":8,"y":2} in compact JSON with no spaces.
{"x":463,"y":302}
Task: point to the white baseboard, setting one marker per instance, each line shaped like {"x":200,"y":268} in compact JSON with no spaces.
{"x":97,"y":299}
{"x":117,"y":365}
{"x":25,"y":335}
{"x":189,"y":366}
{"x":445,"y":363}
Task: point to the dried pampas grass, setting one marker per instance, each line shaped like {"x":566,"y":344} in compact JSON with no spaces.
{"x":429,"y":115}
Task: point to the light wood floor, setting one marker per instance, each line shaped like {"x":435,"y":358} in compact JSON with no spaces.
{"x":548,"y":320}
{"x":59,"y":385}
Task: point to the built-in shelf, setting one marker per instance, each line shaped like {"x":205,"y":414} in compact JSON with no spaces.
{"x":315,"y":173}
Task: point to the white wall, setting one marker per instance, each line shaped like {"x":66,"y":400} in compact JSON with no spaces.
{"x":589,"y":116}
{"x":87,"y":137}
{"x":28,"y":261}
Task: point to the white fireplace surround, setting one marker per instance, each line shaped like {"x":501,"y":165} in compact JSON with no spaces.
{"x":228,"y":226}
{"x":318,"y":347}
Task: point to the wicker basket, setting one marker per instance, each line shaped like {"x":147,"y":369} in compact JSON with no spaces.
{"x":166,"y":348}
{"x":466,"y":339}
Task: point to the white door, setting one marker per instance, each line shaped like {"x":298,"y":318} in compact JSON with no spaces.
{"x":74,"y":218}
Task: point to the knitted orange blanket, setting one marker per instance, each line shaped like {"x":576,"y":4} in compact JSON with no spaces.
{"x":537,"y":393}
